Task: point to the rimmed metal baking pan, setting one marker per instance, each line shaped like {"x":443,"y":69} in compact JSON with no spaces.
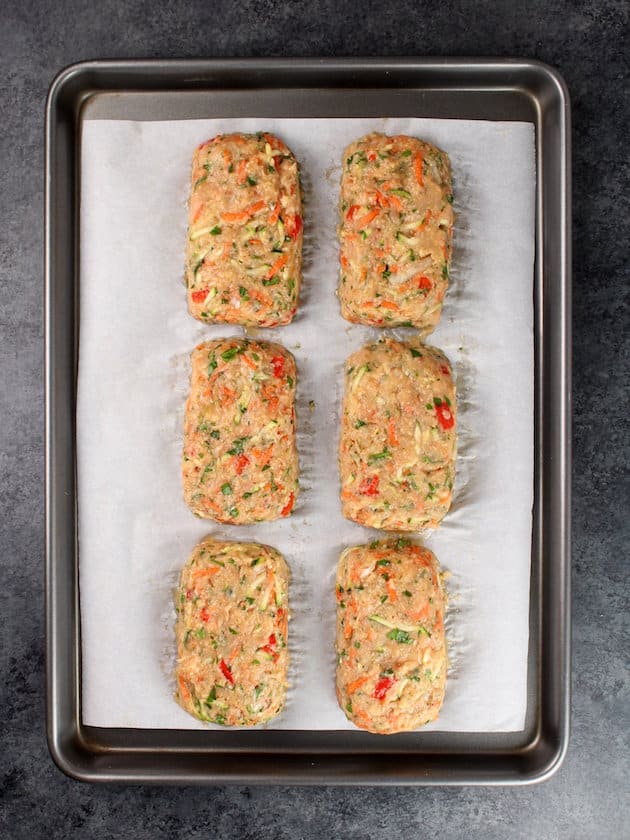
{"x":493,"y":89}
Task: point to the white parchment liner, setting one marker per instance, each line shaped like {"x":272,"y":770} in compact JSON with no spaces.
{"x":135,"y":338}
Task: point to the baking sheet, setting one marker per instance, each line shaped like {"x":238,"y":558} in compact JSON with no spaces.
{"x":134,"y":529}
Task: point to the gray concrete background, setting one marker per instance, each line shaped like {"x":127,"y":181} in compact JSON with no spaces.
{"x":588,"y":43}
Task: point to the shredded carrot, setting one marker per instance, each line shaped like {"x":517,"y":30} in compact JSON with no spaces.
{"x":208,"y":503}
{"x":227,"y":395}
{"x":353,"y":686}
{"x":183,"y":690}
{"x":381,"y":199}
{"x":204,"y":573}
{"x":261,"y":297}
{"x":275,"y":214}
{"x":391,"y":432}
{"x":362,"y":719}
{"x":418,"y":165}
{"x":396,"y":202}
{"x":391,"y":591}
{"x":425,"y":221}
{"x":197,"y":212}
{"x":362,"y":221}
{"x":240,"y":171}
{"x":243,"y":215}
{"x":275,"y":268}
{"x":344,"y":262}
{"x":262,"y":456}
{"x":420,"y":615}
{"x":388,"y":304}
{"x":249,"y":362}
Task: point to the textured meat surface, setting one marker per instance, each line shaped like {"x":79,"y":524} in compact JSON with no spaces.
{"x":244,"y":247}
{"x":231,"y":629}
{"x":391,"y":646}
{"x":398,"y":436}
{"x":395,"y":231}
{"x":240,"y":460}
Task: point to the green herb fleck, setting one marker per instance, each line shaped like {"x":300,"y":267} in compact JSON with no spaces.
{"x":237,"y":446}
{"x":226,"y":489}
{"x":400,"y":636}
{"x":379,"y":456}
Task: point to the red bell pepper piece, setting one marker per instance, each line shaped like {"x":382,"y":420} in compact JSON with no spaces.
{"x":225,"y":670}
{"x":382,"y":687}
{"x":444,"y":416}
{"x":286,"y":510}
{"x":369,"y":486}
{"x":241,"y":462}
{"x":278,"y":365}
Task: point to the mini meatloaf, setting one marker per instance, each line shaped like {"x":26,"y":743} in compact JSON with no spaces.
{"x":240,"y":461}
{"x":396,"y":222}
{"x":232,"y":618}
{"x":398,"y":436}
{"x":244,"y":249}
{"x":391,"y":647}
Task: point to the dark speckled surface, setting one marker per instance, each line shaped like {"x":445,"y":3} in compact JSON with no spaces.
{"x":588,"y":43}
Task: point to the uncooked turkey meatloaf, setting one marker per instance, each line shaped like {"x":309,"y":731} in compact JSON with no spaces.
{"x":398,"y":436}
{"x":244,"y":248}
{"x":396,"y":222}
{"x":240,"y":461}
{"x":391,"y":646}
{"x":232,"y":609}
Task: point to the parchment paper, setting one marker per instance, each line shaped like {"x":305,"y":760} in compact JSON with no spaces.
{"x":135,"y":338}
